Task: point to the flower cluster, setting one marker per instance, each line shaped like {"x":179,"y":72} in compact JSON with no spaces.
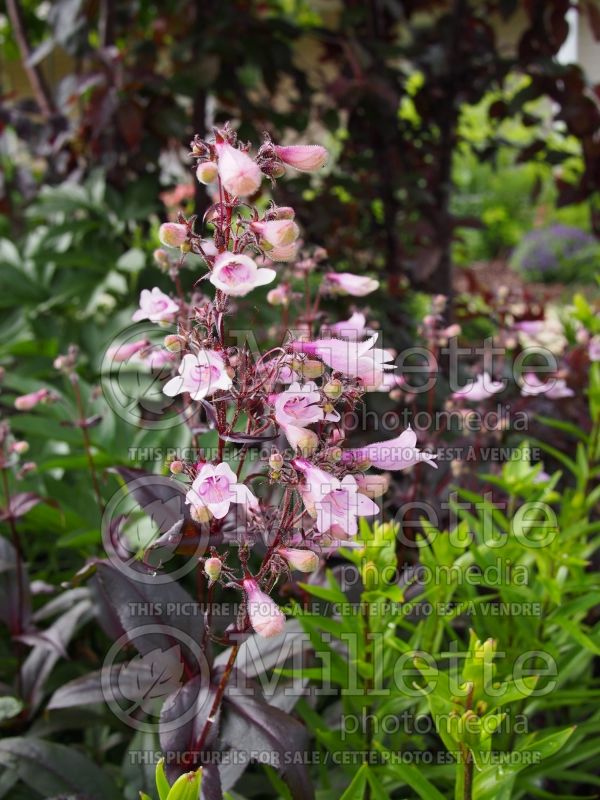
{"x":292,"y":400}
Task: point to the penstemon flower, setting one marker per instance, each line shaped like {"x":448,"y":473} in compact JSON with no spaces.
{"x":156,"y":307}
{"x":313,"y":487}
{"x":200,"y":375}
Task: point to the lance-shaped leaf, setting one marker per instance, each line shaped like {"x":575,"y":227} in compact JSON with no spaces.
{"x":139,"y":605}
{"x":250,"y":725}
{"x":55,"y":769}
{"x":182,"y":721}
{"x":15,"y":596}
{"x":146,"y":678}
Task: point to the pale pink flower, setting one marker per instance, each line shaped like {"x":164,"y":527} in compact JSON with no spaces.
{"x":356,"y":359}
{"x":284,"y":253}
{"x":172,"y":234}
{"x":302,"y":560}
{"x":299,"y":405}
{"x":302,"y":440}
{"x":155,"y":306}
{"x":207,"y":172}
{"x":123,"y":352}
{"x":200,"y":375}
{"x":266,"y":618}
{"x":159,"y":358}
{"x":239,"y":174}
{"x":304,"y":157}
{"x":347,"y":283}
{"x":395,"y":454}
{"x":353,"y":328}
{"x":280,"y":296}
{"x":335,"y":504}
{"x":276,"y":233}
{"x":554,"y":389}
{"x":237,"y":275}
{"x":212,"y":568}
{"x":480,"y":389}
{"x":216,"y":488}
{"x":28,"y":401}
{"x":594,"y":348}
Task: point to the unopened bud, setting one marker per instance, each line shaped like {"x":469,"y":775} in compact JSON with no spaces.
{"x":311,"y":368}
{"x":276,"y":461}
{"x":172,"y":234}
{"x":333,"y":389}
{"x":302,"y":560}
{"x":161,"y":258}
{"x":174,"y":343}
{"x":20,"y":448}
{"x":207,"y":172}
{"x":176,"y":467}
{"x":212,"y":568}
{"x":283,"y":212}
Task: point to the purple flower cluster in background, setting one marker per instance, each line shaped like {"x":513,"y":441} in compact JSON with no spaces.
{"x":558,"y":252}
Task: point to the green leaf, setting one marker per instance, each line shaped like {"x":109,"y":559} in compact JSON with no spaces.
{"x":162,"y":784}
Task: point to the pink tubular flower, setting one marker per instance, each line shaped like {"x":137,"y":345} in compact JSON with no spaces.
{"x":172,"y":234}
{"x":395,"y":454}
{"x":555,"y":389}
{"x":123,"y":352}
{"x":299,"y":405}
{"x":356,"y":359}
{"x":303,"y":157}
{"x":239,"y":174}
{"x":353,"y":328}
{"x":200,"y":375}
{"x":216,"y":488}
{"x":155,"y":306}
{"x":237,"y":275}
{"x":159,"y":358}
{"x":277,"y":233}
{"x":347,"y":283}
{"x":266,"y":618}
{"x":301,"y":439}
{"x":302,"y":560}
{"x":479,"y":389}
{"x":335,"y":504}
{"x":285,"y":253}
{"x":28,"y":401}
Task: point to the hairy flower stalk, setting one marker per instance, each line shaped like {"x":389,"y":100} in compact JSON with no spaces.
{"x":276,"y":513}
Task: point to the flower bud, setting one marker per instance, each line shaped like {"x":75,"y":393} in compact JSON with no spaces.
{"x":20,"y":448}
{"x":276,"y":461}
{"x":277,"y":233}
{"x":207,"y":172}
{"x":452,"y":331}
{"x":310,"y":368}
{"x":302,"y":560}
{"x":333,"y":389}
{"x":284,"y":253}
{"x":303,"y":157}
{"x":176,"y":467}
{"x":302,"y":439}
{"x":266,"y":617}
{"x":172,"y":234}
{"x":278,"y":296}
{"x":28,"y":466}
{"x":28,"y":401}
{"x":161,"y":258}
{"x":174,"y":343}
{"x":212,"y":568}
{"x":124,"y":352}
{"x":283,"y":212}
{"x":239,"y":174}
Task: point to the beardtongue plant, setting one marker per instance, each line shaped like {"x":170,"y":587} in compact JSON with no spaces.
{"x":280,"y":489}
